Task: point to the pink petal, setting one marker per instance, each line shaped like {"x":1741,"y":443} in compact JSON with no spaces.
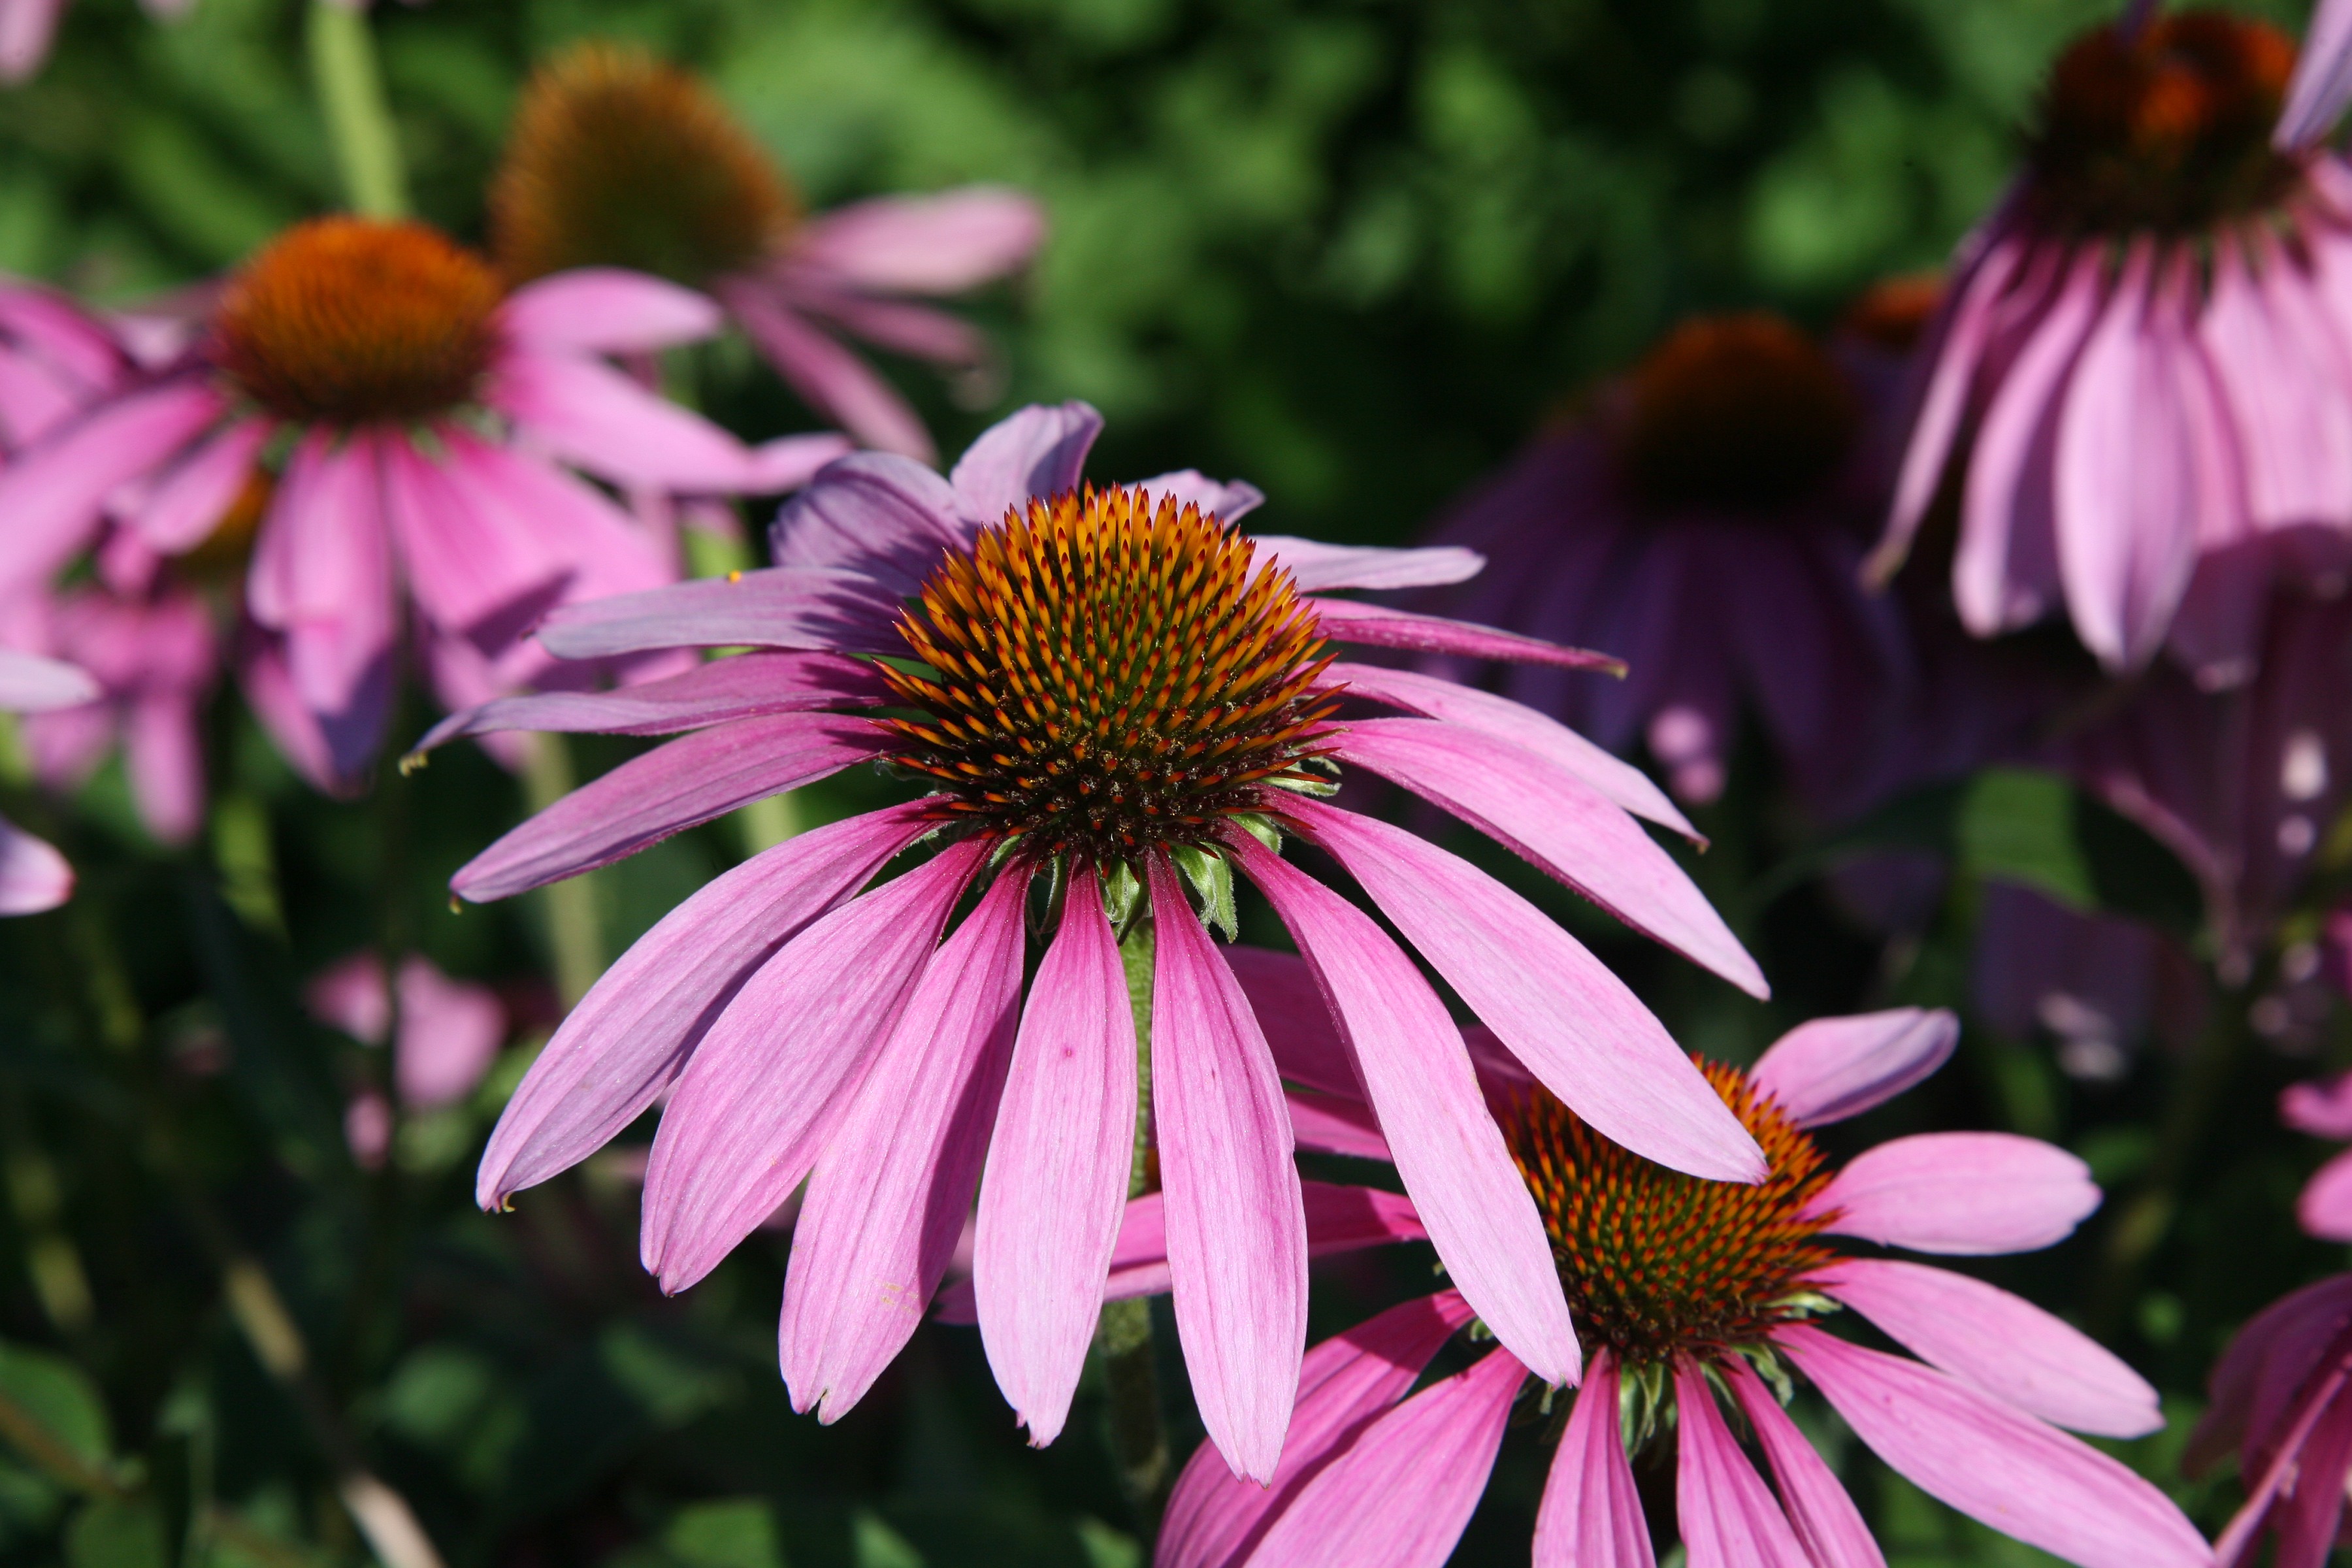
{"x":27,"y":27}
{"x":2322,"y":1107}
{"x":525,"y":496}
{"x":323,"y":571}
{"x":2298,"y":1490}
{"x":1318,"y":568}
{"x":1289,"y":1003}
{"x":1064,"y":1139}
{"x":788,"y":462}
{"x":1560,"y":823}
{"x":52,"y":494}
{"x":1225,"y":499}
{"x":449,"y":1033}
{"x":1334,"y":1126}
{"x":1729,"y":1518}
{"x":1830,"y":1068}
{"x":2322,"y":83}
{"x":1978,"y":1455}
{"x":1217,"y":1519}
{"x":463,"y":569}
{"x":746,"y":686}
{"x":2324,"y":1208}
{"x":1447,"y":1148}
{"x":775,"y":1072}
{"x":1591,"y":1516}
{"x":33,"y":876}
{"x":1504,"y":720}
{"x":1236,"y":1227}
{"x":350,"y":995}
{"x":942,"y":244}
{"x":1826,"y":1522}
{"x":884,"y":517}
{"x":1402,"y":1492}
{"x":2266,"y":1369}
{"x":835,"y":611}
{"x":644,"y":800}
{"x":1971,"y":1194}
{"x":2283,"y":381}
{"x":607,"y":310}
{"x":1037,"y":452}
{"x":890,"y":1195}
{"x":918,"y":332}
{"x":1378,"y":626}
{"x":32,"y":684}
{"x":1557,"y":1008}
{"x":590,"y":415}
{"x":165,"y":757}
{"x":190,"y":499}
{"x":2009,"y":1348}
{"x":828,"y":378}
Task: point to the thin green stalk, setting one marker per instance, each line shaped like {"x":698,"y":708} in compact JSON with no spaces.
{"x":575,"y":918}
{"x":1138,"y":1431}
{"x":350,"y":85}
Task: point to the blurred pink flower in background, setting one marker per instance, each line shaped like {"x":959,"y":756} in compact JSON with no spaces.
{"x":33,"y":876}
{"x":2142,"y":371}
{"x":801,"y":1030}
{"x":617,"y":159}
{"x":1690,"y":1292}
{"x":449,"y":1033}
{"x":27,"y":27}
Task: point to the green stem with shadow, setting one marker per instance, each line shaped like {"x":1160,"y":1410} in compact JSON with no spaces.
{"x":1139,"y":1431}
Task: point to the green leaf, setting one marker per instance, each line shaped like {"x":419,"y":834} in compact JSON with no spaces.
{"x":1211,"y":879}
{"x":53,"y":1411}
{"x":115,"y":1533}
{"x":735,"y":1532}
{"x":2019,"y":827}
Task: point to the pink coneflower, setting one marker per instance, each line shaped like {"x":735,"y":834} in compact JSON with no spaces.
{"x":619,"y":159}
{"x":449,"y":1032}
{"x":2143,"y":369}
{"x":1116,"y":702}
{"x":417,"y":420}
{"x":33,"y":876}
{"x":1693,"y":1296}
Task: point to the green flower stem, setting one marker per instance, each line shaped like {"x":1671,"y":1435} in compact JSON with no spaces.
{"x":350,"y":85}
{"x":574,"y":916}
{"x":1138,"y":1433}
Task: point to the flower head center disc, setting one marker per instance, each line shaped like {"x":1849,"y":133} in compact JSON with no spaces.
{"x":1740,"y":413}
{"x":617,"y":159}
{"x":1108,"y":674}
{"x":347,"y":321}
{"x":1656,"y":1264}
{"x":2168,"y":130}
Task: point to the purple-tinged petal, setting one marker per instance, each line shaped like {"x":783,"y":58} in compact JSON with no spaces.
{"x":607,"y":310}
{"x":1418,"y":1077}
{"x":894,"y":1188}
{"x":27,"y":28}
{"x":1830,"y":1068}
{"x":1964,"y":1193}
{"x":1289,"y":1006}
{"x":1229,"y":500}
{"x":788,"y":462}
{"x":828,"y":378}
{"x":1560,"y":823}
{"x":165,"y":756}
{"x":189,"y":499}
{"x":673,"y":787}
{"x":1994,"y":1464}
{"x":1318,"y":568}
{"x":777,"y":1070}
{"x":462,"y":570}
{"x":591,"y":415}
{"x":1828,"y":1525}
{"x":1037,"y":451}
{"x":2299,"y":1484}
{"x":32,"y":684}
{"x":2324,"y":1208}
{"x":834,"y":611}
{"x":1236,"y":1225}
{"x":1591,"y":1516}
{"x":2323,"y":1109}
{"x":1334,"y":1126}
{"x":1729,"y":1518}
{"x":630,"y":1037}
{"x":1217,"y":1519}
{"x":884,"y":517}
{"x":322,"y":570}
{"x":2322,"y":83}
{"x":1051,"y":1201}
{"x":2284,"y":381}
{"x":1504,"y":720}
{"x":942,"y":244}
{"x":1402,"y":1492}
{"x":449,"y":1033}
{"x":33,"y":876}
{"x":918,"y":332}
{"x":527,"y":496}
{"x":350,"y":995}
{"x":1378,"y":626}
{"x":2009,"y":1348}
{"x":52,"y":494}
{"x":1561,"y":1011}
{"x":746,"y":686}
{"x":2269,"y":1364}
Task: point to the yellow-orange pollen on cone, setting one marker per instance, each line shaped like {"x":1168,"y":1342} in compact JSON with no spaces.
{"x":2167,"y":131}
{"x":1107,"y":673}
{"x":347,"y":321}
{"x":1734,"y":413}
{"x":1657,"y":1265}
{"x":617,"y":159}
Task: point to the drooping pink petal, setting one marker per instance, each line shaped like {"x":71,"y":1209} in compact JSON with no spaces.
{"x":1994,"y":1464}
{"x":1561,"y":1011}
{"x":1500,"y":717}
{"x":673,"y":787}
{"x":1331,"y":1125}
{"x":1226,"y":500}
{"x":1402,"y":1493}
{"x":1236,"y":1223}
{"x":2324,"y":1207}
{"x":165,"y":757}
{"x":2322,"y":1108}
{"x":1560,"y":823}
{"x":51,"y":494}
{"x":1289,"y":1005}
{"x":828,"y":378}
{"x":788,"y":462}
{"x":778,"y":606}
{"x":33,"y":876}
{"x":1051,"y":1201}
{"x":1967,"y":1194}
{"x":30,"y":683}
{"x":194,"y":495}
{"x":1591,"y":1516}
{"x":2322,"y":83}
{"x":524,"y":495}
{"x":322,"y":569}
{"x":1830,"y":1068}
{"x":2271,"y":1363}
{"x":2297,"y":1482}
{"x":1447,"y":1147}
{"x":462,"y":569}
{"x":918,"y":332}
{"x":884,"y":517}
{"x":449,"y":1033}
{"x":350,"y":995}
{"x":1729,"y":1518}
{"x":2010,"y":1348}
{"x":892,"y":1192}
{"x":942,"y":244}
{"x":748,"y":686}
{"x":2283,"y":381}
{"x":1378,"y":626}
{"x":1319,"y":568}
{"x":1217,"y":1519}
{"x":628,"y":1039}
{"x":1827,"y":1524}
{"x":27,"y":27}
{"x":607,"y":310}
{"x":1037,"y":452}
{"x":591,"y":415}
{"x":776,"y":1070}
